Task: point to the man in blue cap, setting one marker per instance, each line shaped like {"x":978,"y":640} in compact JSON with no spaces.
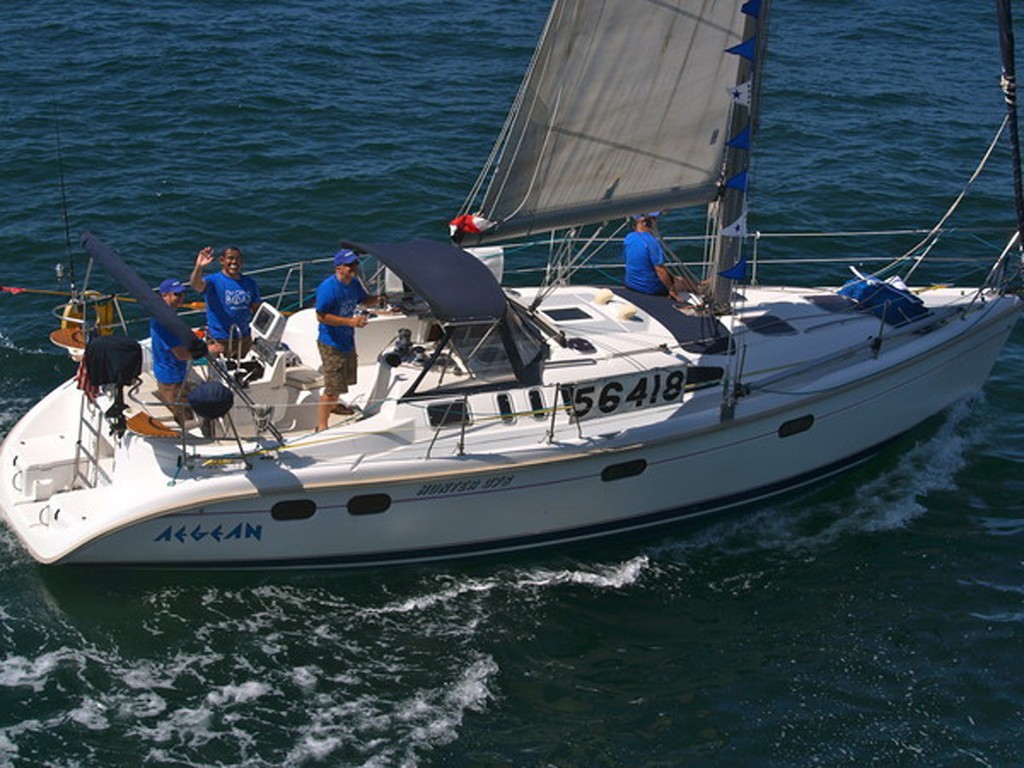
{"x":645,"y":261}
{"x":336,"y":300}
{"x":170,"y":356}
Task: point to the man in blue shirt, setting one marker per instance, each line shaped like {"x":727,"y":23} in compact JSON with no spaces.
{"x":231,"y":298}
{"x":336,"y":300}
{"x":170,"y":356}
{"x":645,"y":260}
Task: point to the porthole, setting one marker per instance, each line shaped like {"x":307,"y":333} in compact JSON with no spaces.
{"x":537,"y":403}
{"x":623,"y":470}
{"x":293,"y":509}
{"x":796,"y":426}
{"x":505,"y":408}
{"x":369,"y":504}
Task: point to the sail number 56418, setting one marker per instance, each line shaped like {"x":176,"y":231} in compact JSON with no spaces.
{"x":623,"y":393}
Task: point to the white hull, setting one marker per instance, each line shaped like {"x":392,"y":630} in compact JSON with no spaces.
{"x":388,"y":489}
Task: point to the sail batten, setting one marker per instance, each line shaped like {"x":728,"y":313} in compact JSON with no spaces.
{"x":624,"y":110}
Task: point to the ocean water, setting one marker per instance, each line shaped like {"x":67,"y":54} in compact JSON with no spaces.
{"x":877,"y":620}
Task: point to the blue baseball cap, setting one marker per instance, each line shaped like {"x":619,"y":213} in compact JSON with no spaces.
{"x":172,"y":286}
{"x":345,"y":256}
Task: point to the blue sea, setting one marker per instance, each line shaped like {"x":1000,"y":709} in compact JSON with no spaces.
{"x":877,"y":620}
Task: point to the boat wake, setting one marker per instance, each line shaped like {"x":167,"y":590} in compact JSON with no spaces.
{"x":880,"y":501}
{"x":379,"y":668}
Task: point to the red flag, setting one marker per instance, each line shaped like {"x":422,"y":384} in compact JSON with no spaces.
{"x":473,"y":223}
{"x":82,"y":379}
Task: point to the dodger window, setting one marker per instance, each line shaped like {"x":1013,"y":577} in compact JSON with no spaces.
{"x":482,"y":351}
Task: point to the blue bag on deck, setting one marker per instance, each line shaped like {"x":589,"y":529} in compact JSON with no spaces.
{"x":892,"y":303}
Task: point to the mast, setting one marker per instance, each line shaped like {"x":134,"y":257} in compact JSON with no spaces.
{"x":1010,"y":90}
{"x":729,"y":210}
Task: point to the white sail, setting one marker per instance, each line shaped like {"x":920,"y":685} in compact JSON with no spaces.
{"x":625,"y":110}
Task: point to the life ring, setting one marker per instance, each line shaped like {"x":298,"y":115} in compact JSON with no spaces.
{"x":71,"y":317}
{"x":104,"y":316}
{"x":73,"y":314}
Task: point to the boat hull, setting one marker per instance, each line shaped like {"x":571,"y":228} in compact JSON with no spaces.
{"x":772,"y":444}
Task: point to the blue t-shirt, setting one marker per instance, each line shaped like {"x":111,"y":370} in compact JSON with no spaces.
{"x":333,"y":297}
{"x":229,"y":302}
{"x":166,"y":367}
{"x":642,"y":252}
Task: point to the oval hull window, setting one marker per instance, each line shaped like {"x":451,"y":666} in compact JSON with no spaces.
{"x":623,"y":470}
{"x":293,"y":509}
{"x":369,"y":504}
{"x":796,"y":426}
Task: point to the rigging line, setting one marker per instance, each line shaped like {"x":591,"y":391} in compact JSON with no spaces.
{"x":554,"y":270}
{"x":494,"y":156}
{"x":678,"y":262}
{"x":933,"y":233}
{"x":497,"y":154}
{"x":541,"y":154}
{"x":574,"y":265}
{"x":997,"y":268}
{"x":580,"y":262}
{"x":835,"y":233}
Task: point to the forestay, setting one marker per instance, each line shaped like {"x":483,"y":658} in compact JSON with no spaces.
{"x":624,"y":110}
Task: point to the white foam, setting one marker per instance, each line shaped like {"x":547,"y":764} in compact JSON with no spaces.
{"x":146,"y":704}
{"x":19,"y":671}
{"x":90,"y":714}
{"x":237,"y":694}
{"x":388,"y":733}
{"x":615,"y":576}
{"x":190,"y":724}
{"x":8,"y":749}
{"x":305,"y":677}
{"x":453,"y":592}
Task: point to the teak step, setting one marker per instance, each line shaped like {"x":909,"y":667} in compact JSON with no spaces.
{"x":68,"y":338}
{"x":145,"y":425}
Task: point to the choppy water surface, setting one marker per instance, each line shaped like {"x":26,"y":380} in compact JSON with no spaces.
{"x":875,"y":620}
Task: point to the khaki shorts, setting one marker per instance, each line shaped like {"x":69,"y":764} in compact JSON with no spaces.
{"x":175,"y":397}
{"x":339,"y":369}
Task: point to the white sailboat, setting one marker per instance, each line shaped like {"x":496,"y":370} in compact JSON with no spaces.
{"x":493,"y":419}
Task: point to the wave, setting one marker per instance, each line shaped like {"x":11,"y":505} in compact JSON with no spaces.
{"x":878,"y":502}
{"x":357,"y":670}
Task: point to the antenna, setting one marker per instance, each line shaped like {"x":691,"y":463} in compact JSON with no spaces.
{"x":64,"y":207}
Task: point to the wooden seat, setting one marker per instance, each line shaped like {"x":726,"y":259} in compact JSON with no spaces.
{"x":71,"y":339}
{"x":145,"y":425}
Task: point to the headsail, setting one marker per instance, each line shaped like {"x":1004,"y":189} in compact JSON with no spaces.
{"x":625,"y":109}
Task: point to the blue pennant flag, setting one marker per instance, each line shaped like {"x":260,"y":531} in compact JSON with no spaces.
{"x":746,"y":49}
{"x":737,"y":271}
{"x":739,"y":181}
{"x":741,"y":140}
{"x":752,"y":8}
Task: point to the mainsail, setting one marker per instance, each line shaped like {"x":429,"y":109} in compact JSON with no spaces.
{"x":625,"y":109}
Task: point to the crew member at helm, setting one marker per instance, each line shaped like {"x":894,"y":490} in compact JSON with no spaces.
{"x":336,"y":300}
